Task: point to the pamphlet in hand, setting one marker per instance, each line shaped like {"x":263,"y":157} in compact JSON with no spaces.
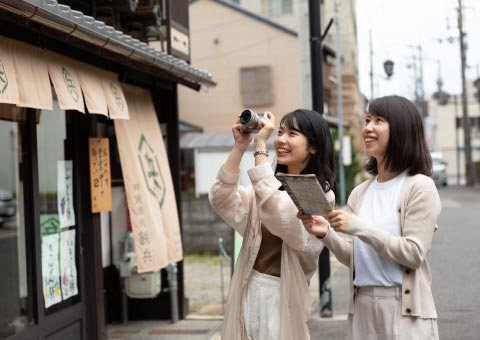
{"x":306,"y":192}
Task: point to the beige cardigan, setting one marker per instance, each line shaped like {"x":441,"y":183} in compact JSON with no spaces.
{"x":243,"y":208}
{"x":418,"y":210}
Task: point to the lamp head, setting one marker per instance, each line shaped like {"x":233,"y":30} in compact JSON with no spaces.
{"x":388,"y":67}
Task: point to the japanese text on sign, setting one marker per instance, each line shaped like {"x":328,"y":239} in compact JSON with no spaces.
{"x":100,"y":183}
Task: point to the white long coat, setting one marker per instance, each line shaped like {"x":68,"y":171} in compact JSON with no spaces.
{"x":245,"y":208}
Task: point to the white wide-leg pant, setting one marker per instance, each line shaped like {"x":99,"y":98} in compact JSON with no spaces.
{"x":261,"y":309}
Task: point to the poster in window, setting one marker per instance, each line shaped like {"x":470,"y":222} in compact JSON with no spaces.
{"x":100,"y":183}
{"x":66,"y":214}
{"x":67,"y":264}
{"x":50,"y":269}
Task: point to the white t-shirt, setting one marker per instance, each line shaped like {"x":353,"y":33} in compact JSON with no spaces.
{"x":379,"y":209}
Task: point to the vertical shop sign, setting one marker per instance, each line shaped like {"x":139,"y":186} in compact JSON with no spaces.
{"x":65,"y":193}
{"x":148,"y":184}
{"x":67,"y":263}
{"x":100,"y":183}
{"x":143,"y":232}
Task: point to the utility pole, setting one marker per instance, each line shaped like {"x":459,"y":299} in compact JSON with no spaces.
{"x":371,"y":65}
{"x":422,"y":92}
{"x":338,"y":59}
{"x":415,"y":75}
{"x":466,"y":120}
{"x":316,"y":57}
{"x":316,"y":61}
{"x":417,"y":65}
{"x":304,"y":54}
{"x":455,"y":102}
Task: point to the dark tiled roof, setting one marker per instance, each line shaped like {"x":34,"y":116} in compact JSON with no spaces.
{"x":62,"y":18}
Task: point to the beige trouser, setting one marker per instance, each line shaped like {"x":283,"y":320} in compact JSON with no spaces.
{"x":261,"y":308}
{"x":378,"y":316}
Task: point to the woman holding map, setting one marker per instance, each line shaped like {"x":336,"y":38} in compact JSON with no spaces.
{"x":391,"y":219}
{"x":269,"y":295}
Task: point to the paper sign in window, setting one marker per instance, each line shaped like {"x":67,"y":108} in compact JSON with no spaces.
{"x":66,"y":213}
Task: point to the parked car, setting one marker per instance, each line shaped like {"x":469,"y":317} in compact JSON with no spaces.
{"x":439,"y":169}
{"x":8,"y":206}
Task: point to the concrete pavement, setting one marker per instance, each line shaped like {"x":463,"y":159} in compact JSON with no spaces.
{"x":188,"y":329}
{"x":207,"y":327}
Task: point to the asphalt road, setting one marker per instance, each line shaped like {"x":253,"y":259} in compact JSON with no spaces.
{"x":455,"y":264}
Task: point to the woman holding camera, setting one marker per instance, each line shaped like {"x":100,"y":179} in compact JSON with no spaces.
{"x":391,"y":219}
{"x":269,"y":295}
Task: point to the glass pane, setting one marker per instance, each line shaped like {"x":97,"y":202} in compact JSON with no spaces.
{"x":280,"y":7}
{"x":57,"y":217}
{"x":13,"y":280}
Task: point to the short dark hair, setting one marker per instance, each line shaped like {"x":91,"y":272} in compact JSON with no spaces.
{"x":315,"y":128}
{"x":407,"y":147}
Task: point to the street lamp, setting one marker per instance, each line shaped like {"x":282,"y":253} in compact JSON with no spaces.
{"x":388,"y":67}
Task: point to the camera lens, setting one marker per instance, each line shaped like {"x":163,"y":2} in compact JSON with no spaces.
{"x":245,"y":116}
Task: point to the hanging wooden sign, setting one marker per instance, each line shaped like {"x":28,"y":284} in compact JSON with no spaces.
{"x":100,"y":178}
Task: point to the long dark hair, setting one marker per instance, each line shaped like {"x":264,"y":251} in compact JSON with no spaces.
{"x":315,"y":128}
{"x":407,"y":147}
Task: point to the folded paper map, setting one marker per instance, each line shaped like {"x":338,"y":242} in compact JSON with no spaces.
{"x":306,"y":192}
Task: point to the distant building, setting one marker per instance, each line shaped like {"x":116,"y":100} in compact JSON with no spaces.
{"x":256,"y":62}
{"x":294,"y":14}
{"x":446,"y":134}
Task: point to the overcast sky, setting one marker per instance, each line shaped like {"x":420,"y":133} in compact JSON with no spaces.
{"x":396,"y":24}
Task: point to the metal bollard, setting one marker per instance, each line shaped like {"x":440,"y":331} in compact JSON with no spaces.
{"x":124,"y":301}
{"x":220,"y":249}
{"x":324,"y":281}
{"x":173,"y":288}
{"x":222,"y":253}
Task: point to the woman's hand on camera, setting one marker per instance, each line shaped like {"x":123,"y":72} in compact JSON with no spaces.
{"x":316,"y":225}
{"x":241,"y":136}
{"x":266,"y":125}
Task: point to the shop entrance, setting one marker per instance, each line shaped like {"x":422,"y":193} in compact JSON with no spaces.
{"x":42,"y":292}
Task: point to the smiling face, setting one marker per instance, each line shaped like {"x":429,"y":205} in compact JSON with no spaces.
{"x":292,"y":149}
{"x":376,"y":134}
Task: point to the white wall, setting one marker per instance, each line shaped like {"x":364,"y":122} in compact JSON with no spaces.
{"x":119,"y":226}
{"x":223,"y":41}
{"x":445,"y":136}
{"x":106,"y":246}
{"x":207,"y":164}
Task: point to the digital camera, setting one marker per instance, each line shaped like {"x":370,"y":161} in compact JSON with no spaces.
{"x":250,"y":119}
